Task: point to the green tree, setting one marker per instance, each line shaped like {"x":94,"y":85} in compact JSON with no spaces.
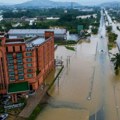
{"x":109,"y":29}
{"x":116,"y":61}
{"x":112,"y":37}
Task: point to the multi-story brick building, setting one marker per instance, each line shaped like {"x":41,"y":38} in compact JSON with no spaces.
{"x":24,"y":64}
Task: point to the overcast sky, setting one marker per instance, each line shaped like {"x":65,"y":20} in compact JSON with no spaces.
{"x":80,"y":1}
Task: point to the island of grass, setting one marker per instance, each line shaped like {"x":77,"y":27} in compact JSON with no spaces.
{"x":112,"y":37}
{"x":70,"y":48}
{"x":111,"y":45}
{"x":66,"y":42}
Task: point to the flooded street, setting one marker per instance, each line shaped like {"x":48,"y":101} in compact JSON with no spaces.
{"x":87,"y":88}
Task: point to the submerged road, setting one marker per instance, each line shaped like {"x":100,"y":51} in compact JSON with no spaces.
{"x":101,"y":57}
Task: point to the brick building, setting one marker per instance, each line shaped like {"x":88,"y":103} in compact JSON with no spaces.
{"x":24,"y":64}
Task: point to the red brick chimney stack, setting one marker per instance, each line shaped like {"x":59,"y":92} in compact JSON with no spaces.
{"x":49,"y":34}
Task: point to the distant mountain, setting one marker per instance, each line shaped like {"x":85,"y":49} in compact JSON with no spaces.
{"x":46,"y":4}
{"x":3,"y":4}
{"x":111,"y":4}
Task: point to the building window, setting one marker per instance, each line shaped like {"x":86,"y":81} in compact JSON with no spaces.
{"x":10,"y":61}
{"x":21,"y":77}
{"x":19,"y":55}
{"x":29,"y":75}
{"x":20,"y":66}
{"x":11,"y":67}
{"x":9,"y":56}
{"x":19,"y":61}
{"x":29,"y":54}
{"x":11,"y":73}
{"x":12,"y":78}
{"x":10,"y":64}
{"x":29,"y":59}
{"x":29,"y":65}
{"x":29,"y":70}
{"x":20,"y":72}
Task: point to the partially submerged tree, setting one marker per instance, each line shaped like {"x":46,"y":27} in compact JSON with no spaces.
{"x":116,"y":61}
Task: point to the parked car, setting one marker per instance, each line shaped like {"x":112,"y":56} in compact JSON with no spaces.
{"x":3,"y":116}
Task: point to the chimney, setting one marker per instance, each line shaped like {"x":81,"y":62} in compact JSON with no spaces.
{"x":49,"y":34}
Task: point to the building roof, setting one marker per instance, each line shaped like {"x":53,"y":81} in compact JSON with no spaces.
{"x":35,"y":31}
{"x":18,"y":87}
{"x":30,"y":43}
{"x":14,"y":41}
{"x":34,"y":42}
{"x":38,"y":41}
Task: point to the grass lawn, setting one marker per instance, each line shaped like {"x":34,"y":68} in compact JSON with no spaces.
{"x":70,"y":48}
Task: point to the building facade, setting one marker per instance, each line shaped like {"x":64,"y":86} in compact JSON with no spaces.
{"x":25,"y":64}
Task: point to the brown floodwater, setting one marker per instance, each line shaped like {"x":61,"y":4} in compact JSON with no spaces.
{"x":86,"y":85}
{"x":86,"y":74}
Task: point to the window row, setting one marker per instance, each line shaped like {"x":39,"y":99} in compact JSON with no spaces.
{"x":29,"y":59}
{"x":11,"y":66}
{"x":29,"y":75}
{"x":11,"y":73}
{"x":29,"y":54}
{"x":20,"y":77}
{"x":19,"y":55}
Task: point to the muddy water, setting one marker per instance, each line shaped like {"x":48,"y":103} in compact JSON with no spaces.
{"x":86,"y":86}
{"x":72,"y":89}
{"x":63,"y":113}
{"x":87,"y":74}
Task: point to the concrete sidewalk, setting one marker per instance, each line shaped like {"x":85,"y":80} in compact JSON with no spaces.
{"x":32,"y":102}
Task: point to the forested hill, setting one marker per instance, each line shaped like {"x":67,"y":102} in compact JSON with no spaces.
{"x":47,"y":4}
